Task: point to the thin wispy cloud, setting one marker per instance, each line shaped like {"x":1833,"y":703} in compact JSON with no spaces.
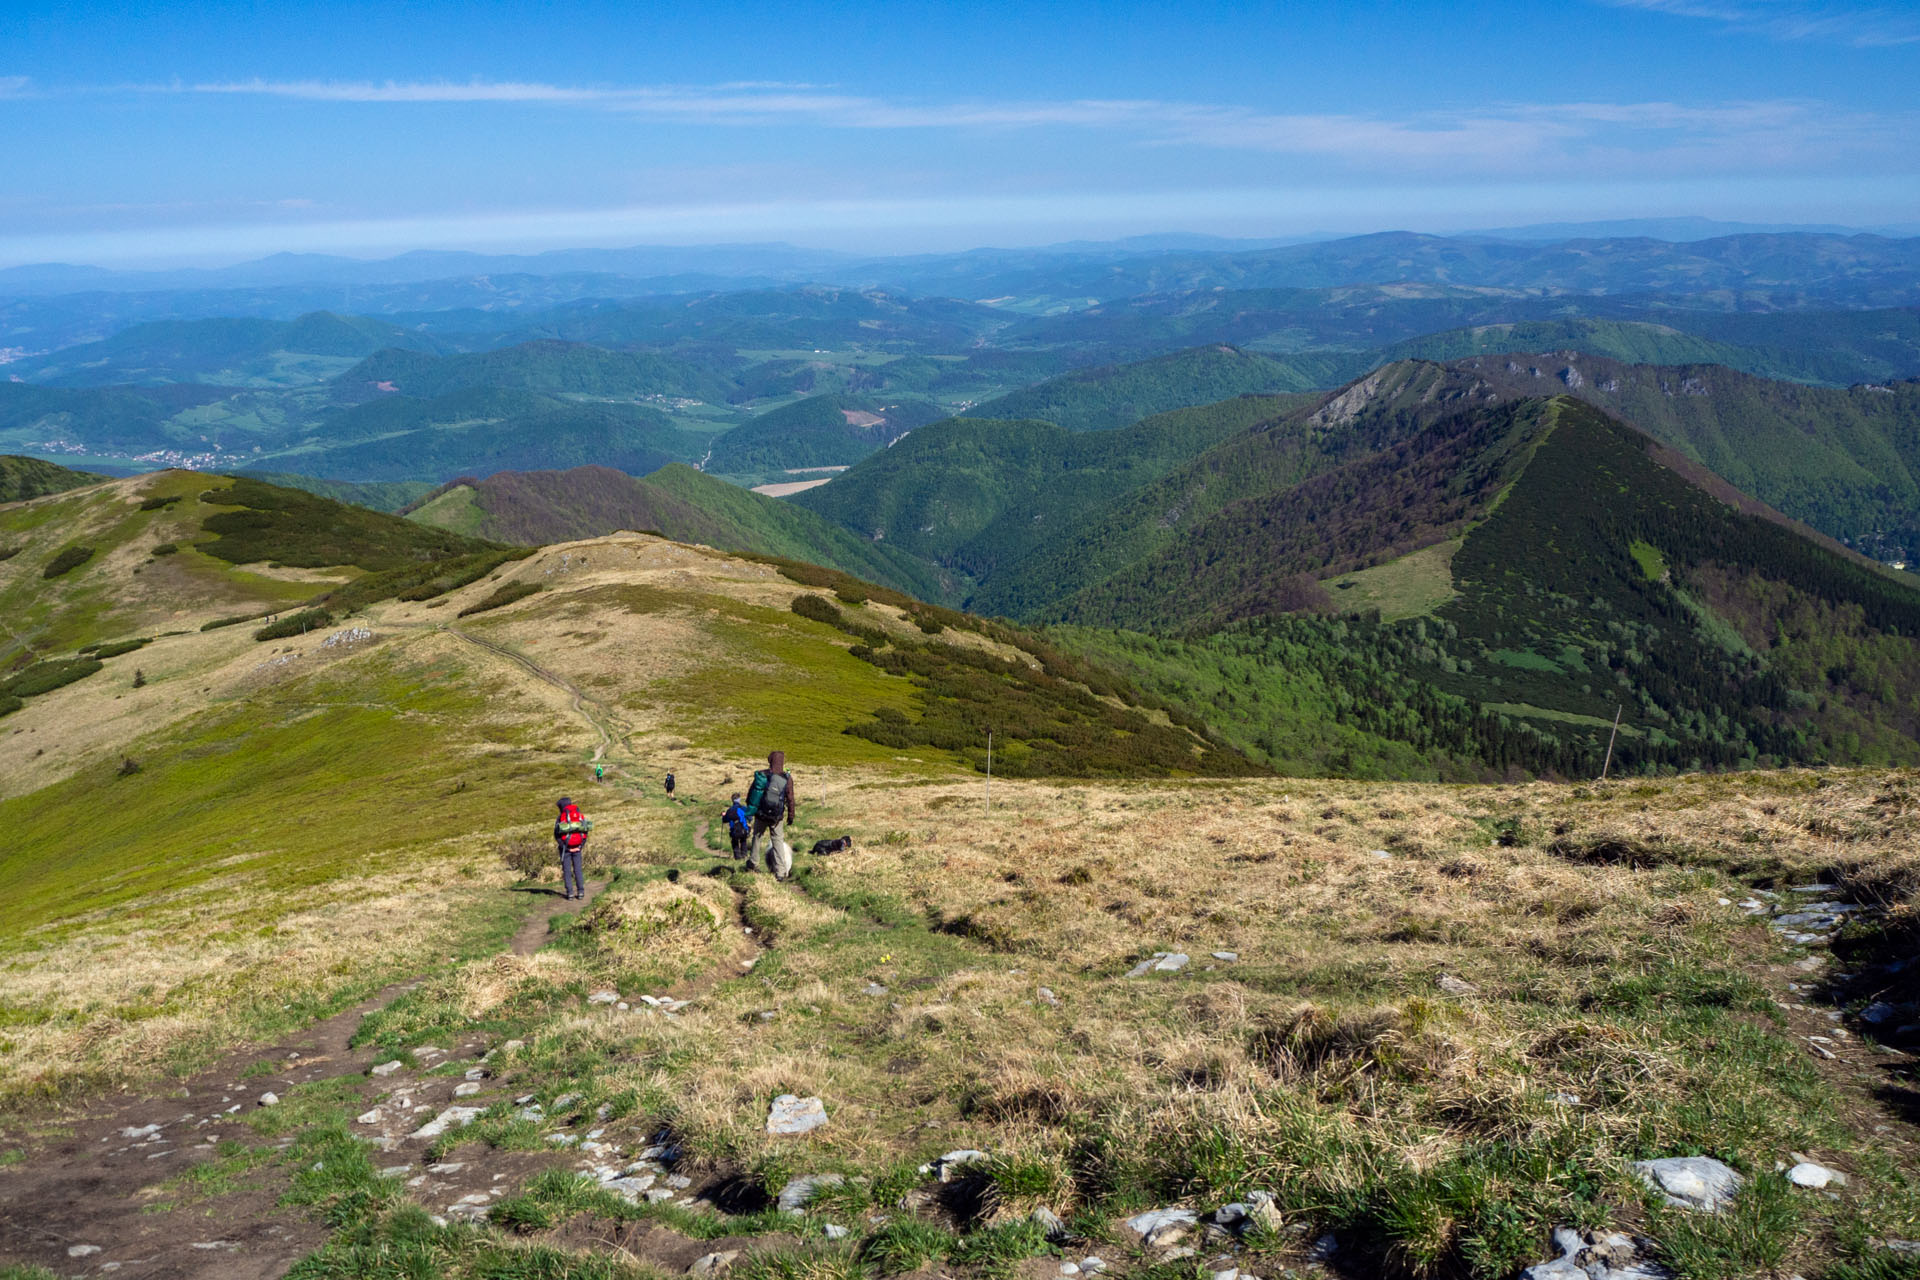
{"x":1582,"y":137}
{"x":15,"y":86}
{"x":1864,"y":27}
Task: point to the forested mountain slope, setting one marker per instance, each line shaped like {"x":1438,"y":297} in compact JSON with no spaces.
{"x":1116,"y":395}
{"x":974,"y":496}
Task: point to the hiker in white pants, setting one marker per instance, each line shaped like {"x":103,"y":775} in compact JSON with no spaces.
{"x":771,"y":802}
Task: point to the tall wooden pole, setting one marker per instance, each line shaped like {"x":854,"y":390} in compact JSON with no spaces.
{"x":1608,"y":764}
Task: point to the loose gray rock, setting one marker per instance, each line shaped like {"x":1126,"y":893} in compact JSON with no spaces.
{"x":1160,"y":1227}
{"x":1877,"y":1012}
{"x":1815,"y":1176}
{"x":451,"y":1118}
{"x":791,"y":1114}
{"x":82,"y":1250}
{"x":466,"y":1089}
{"x":1228,"y":956}
{"x":269,"y":1099}
{"x":1595,"y":1256}
{"x":386,"y":1068}
{"x":834,"y":1231}
{"x":1455,"y":986}
{"x":713,"y":1263}
{"x":1049,"y":1222}
{"x":1691,"y":1182}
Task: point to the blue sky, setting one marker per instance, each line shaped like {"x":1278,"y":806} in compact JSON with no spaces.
{"x":153,"y":133}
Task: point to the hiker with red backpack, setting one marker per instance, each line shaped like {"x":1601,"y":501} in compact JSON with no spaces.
{"x":771,"y":802}
{"x":570,"y":839}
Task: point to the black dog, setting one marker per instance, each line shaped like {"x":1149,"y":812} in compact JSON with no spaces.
{"x":839,"y":844}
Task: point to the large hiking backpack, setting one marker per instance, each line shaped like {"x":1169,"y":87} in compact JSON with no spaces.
{"x":767,"y":797}
{"x":572,"y":827}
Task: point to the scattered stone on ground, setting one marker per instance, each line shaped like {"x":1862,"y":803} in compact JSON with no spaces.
{"x":1228,"y":956}
{"x":386,"y":1068}
{"x":1158,"y":1228}
{"x":713,"y":1263}
{"x":1690,"y":1182}
{"x":797,"y":1192}
{"x":1815,"y":1176}
{"x":1455,"y":986}
{"x":791,"y":1114}
{"x":451,"y":1118}
{"x":1161,"y":962}
{"x":1596,"y":1256}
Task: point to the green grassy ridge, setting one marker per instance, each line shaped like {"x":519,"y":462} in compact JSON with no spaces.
{"x":814,"y":432}
{"x":294,"y":527}
{"x":22,"y":478}
{"x":1118,"y":395}
{"x":973,"y":495}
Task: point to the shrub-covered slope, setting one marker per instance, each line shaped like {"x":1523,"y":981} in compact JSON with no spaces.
{"x":1594,"y":570}
{"x":22,"y":478}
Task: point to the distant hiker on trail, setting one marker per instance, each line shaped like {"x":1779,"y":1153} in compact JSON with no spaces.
{"x":771,"y":801}
{"x":739,"y":826}
{"x":669,"y":786}
{"x":599,"y":772}
{"x":570,"y":839}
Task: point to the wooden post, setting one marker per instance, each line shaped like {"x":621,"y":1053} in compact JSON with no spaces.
{"x":1608,"y":763}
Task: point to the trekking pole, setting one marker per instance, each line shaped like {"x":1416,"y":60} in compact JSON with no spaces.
{"x":1608,"y":763}
{"x":989,"y":771}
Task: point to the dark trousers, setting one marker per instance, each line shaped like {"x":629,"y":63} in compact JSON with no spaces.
{"x":739,"y":837}
{"x":572,"y":882}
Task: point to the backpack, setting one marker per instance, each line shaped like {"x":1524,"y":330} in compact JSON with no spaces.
{"x":736,"y":819}
{"x":767,"y":797}
{"x":572,"y":828}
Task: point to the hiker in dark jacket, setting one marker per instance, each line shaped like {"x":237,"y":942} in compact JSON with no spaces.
{"x":570,"y":830}
{"x":739,"y":826}
{"x":771,"y":800}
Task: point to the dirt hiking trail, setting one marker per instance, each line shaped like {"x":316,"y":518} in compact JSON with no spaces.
{"x":85,"y":1204}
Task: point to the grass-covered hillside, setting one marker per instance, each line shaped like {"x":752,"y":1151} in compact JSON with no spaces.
{"x":530,"y":507}
{"x":424,"y":724}
{"x":175,"y":550}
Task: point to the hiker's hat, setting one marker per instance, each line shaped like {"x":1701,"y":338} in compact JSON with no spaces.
{"x":563,"y":802}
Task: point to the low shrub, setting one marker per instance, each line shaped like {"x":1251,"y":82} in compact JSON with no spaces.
{"x":502,"y":597}
{"x":294,"y":624}
{"x":128,"y":767}
{"x":528,"y":856}
{"x":119,"y":647}
{"x":44,"y":677}
{"x":159,"y":504}
{"x":9,"y":704}
{"x":8,"y":553}
{"x":165,"y":548}
{"x":232,"y":621}
{"x":68,"y":559}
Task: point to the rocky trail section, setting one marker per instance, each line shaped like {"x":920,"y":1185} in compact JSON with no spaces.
{"x":88,"y":1203}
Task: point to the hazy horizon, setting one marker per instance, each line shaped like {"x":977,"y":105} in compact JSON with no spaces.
{"x":222,"y":135}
